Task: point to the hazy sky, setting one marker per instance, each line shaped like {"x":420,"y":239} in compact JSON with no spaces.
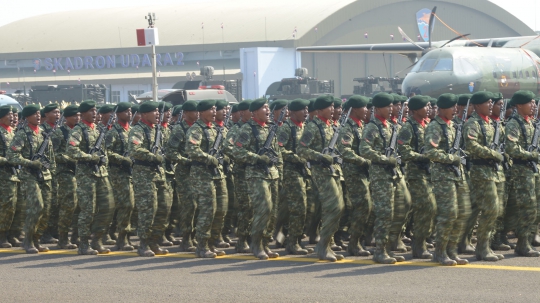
{"x":13,"y":10}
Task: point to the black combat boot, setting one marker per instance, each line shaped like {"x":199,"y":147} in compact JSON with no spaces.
{"x":355,"y":249}
{"x":339,"y":241}
{"x":242,"y":246}
{"x":227,"y":239}
{"x":163,"y":241}
{"x":28,"y":244}
{"x":380,"y":254}
{"x":294,"y":248}
{"x":37,"y":245}
{"x":220,"y":243}
{"x":419,"y":249}
{"x":309,"y":249}
{"x":13,"y":239}
{"x":106,"y":239}
{"x":257,"y":247}
{"x":203,"y":250}
{"x":187,"y":244}
{"x":452,"y":252}
{"x":497,"y":243}
{"x":154,"y":246}
{"x":75,"y":236}
{"x":214,"y":249}
{"x":391,"y":254}
{"x":441,"y":255}
{"x":47,"y":238}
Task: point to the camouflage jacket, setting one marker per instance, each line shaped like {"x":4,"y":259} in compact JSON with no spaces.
{"x":200,"y":139}
{"x":45,"y":127}
{"x":411,"y":148}
{"x":288,"y":144}
{"x":140,"y":142}
{"x":348,"y":145}
{"x":60,"y":137}
{"x":175,"y":148}
{"x":437,"y":145}
{"x":501,"y":172}
{"x":168,"y":166}
{"x":81,"y":140}
{"x":24,"y":146}
{"x":316,"y":137}
{"x":6,"y":169}
{"x":246,"y":146}
{"x":478,"y":136}
{"x":376,"y":138}
{"x":518,"y":136}
{"x":116,"y":143}
{"x":229,"y":143}
{"x":227,"y":160}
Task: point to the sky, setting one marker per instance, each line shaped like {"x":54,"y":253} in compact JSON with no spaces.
{"x":526,"y":10}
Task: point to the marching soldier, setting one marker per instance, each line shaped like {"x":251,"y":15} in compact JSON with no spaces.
{"x":174,"y":217}
{"x":94,"y":192}
{"x":167,"y":239}
{"x":17,"y":224}
{"x":313,"y":213}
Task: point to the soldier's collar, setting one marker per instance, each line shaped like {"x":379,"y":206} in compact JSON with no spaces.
{"x":383,"y":120}
{"x":445,"y":120}
{"x":323,"y":119}
{"x":7,"y":127}
{"x":261,"y":123}
{"x":147,"y":123}
{"x":358,"y":121}
{"x":299,"y":124}
{"x":35,"y":128}
{"x":91,"y":125}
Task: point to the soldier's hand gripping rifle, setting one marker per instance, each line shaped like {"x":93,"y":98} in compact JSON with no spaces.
{"x":456,"y":146}
{"x":391,"y":150}
{"x":331,"y":148}
{"x":267,"y":147}
{"x":217,"y":149}
{"x":497,"y":145}
{"x":97,"y":148}
{"x":40,"y":155}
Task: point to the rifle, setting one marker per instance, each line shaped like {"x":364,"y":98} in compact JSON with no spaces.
{"x":391,"y":150}
{"x":99,"y":142}
{"x":40,"y":155}
{"x":267,"y":147}
{"x":534,"y":147}
{"x":217,"y":149}
{"x":132,"y":118}
{"x":456,"y":146}
{"x":21,"y":124}
{"x":331,"y":148}
{"x":497,"y":145}
{"x":157,"y":148}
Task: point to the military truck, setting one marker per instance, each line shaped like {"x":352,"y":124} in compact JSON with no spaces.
{"x":234,"y":87}
{"x":45,"y":94}
{"x":301,"y":86}
{"x":372,"y":85}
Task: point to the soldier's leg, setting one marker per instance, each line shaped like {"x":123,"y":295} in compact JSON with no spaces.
{"x":261,"y":197}
{"x":45,"y":189}
{"x":424,"y":209}
{"x":510,"y":213}
{"x":273,"y":186}
{"x":50,"y":235}
{"x":103,"y":214}
{"x":222,"y":205}
{"x":145,"y":193}
{"x":484,"y":193}
{"x":173,"y":216}
{"x":465,"y":245}
{"x":496,"y":238}
{"x":124,"y":203}
{"x":314,"y":222}
{"x":464,"y":212}
{"x":187,"y":205}
{"x":535,"y":238}
{"x":34,"y":209}
{"x":525,"y":196}
{"x":358,"y":192}
{"x":344,"y":221}
{"x":8,"y":202}
{"x":232,"y":213}
{"x":446,"y":195}
{"x":161,"y":218}
{"x":402,"y":207}
{"x":67,"y":201}
{"x":294,"y":189}
{"x":282,"y":218}
{"x":205,"y":194}
{"x":16,"y":228}
{"x":245,"y":213}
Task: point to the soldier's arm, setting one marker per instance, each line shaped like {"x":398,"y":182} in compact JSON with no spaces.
{"x":405,"y":141}
{"x":228,"y":143}
{"x":307,"y":140}
{"x":240,"y":150}
{"x":283,"y":136}
{"x":111,"y":141}
{"x":367,"y":150}
{"x":512,"y":137}
{"x":432,"y":140}
{"x":176,"y":140}
{"x":136,"y":146}
{"x":193,"y":146}
{"x":345,"y":146}
{"x":74,"y":148}
{"x":59,"y":155}
{"x":14,"y":152}
{"x":474,"y":147}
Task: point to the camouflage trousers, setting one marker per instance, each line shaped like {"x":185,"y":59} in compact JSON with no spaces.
{"x":96,"y":202}
{"x":424,"y":207}
{"x":263,"y":193}
{"x":331,"y":199}
{"x":20,"y":213}
{"x":509,"y":221}
{"x":8,"y":203}
{"x":54,"y":213}
{"x":124,"y":198}
{"x":362,"y":205}
{"x":523,"y":196}
{"x":453,"y":209}
{"x":232,"y":214}
{"x":186,"y":203}
{"x":344,"y":221}
{"x":391,"y":205}
{"x":245,"y":207}
{"x":212,"y":200}
{"x":38,"y":204}
{"x":153,"y":200}
{"x":175,"y":207}
{"x":313,"y":211}
{"x":293,"y":202}
{"x":503,"y":199}
{"x":67,"y":200}
{"x":485,"y":198}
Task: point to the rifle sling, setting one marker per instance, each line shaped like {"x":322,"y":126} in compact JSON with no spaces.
{"x":86,"y":138}
{"x":383,"y":134}
{"x":120,"y":132}
{"x":321,"y":131}
{"x":416,"y":135}
{"x":30,"y":138}
{"x":293,"y":137}
{"x":483,"y":130}
{"x":206,"y":135}
{"x":255,"y":132}
{"x":356,"y":135}
{"x":445,"y":134}
{"x":523,"y":130}
{"x":148,"y":137}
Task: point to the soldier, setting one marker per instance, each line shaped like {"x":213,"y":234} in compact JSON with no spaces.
{"x":519,"y":132}
{"x":262,"y":176}
{"x":293,"y":198}
{"x":245,"y":209}
{"x":450,"y":187}
{"x":385,"y":179}
{"x":94,"y":192}
{"x":20,"y":209}
{"x":231,"y":217}
{"x":65,"y":175}
{"x":325,"y":174}
{"x":136,"y":114}
{"x":207,"y":180}
{"x":175,"y":152}
{"x":168,"y":167}
{"x":120,"y":166}
{"x":462,"y":103}
{"x":34,"y":176}
{"x":313,"y":212}
{"x":8,"y":176}
{"x":149,"y":183}
{"x":175,"y":207}
{"x":434,"y":111}
{"x":355,"y":172}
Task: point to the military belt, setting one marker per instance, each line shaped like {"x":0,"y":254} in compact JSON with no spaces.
{"x":483,"y":162}
{"x":145,"y":163}
{"x":521,"y":162}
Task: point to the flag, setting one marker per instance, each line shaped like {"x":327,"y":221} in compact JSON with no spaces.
{"x":147,"y":36}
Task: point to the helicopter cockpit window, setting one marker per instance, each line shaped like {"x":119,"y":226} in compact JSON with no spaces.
{"x":427,"y":65}
{"x":444,"y":64}
{"x":465,"y":66}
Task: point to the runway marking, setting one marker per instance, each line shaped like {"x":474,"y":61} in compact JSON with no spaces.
{"x":246,"y":257}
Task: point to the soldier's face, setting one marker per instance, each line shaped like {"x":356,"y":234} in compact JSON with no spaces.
{"x":166,"y":116}
{"x":235,"y":117}
{"x":434,"y":111}
{"x":220,"y":114}
{"x":470,"y":111}
{"x":327,"y":113}
{"x":52,"y":116}
{"x":137,"y":117}
{"x":448,"y":113}
{"x":245,"y":115}
{"x":14,"y":120}
{"x":384,"y":112}
{"x":484,"y":108}
{"x":34,"y":119}
{"x":262,"y":113}
{"x":124,"y":116}
{"x":105,"y":117}
{"x":90,"y":115}
{"x":208,"y":115}
{"x":299,"y":115}
{"x":71,"y":121}
{"x":496,"y":110}
{"x":395,"y":109}
{"x":6,"y":120}
{"x":151,"y":117}
{"x":191,"y":116}
{"x":421,"y":113}
{"x":526,"y":109}
{"x":337,"y":112}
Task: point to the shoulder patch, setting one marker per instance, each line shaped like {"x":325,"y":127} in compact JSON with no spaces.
{"x":282,"y":138}
{"x":435,"y":139}
{"x":404,"y":136}
{"x":370,"y":134}
{"x":346,"y":139}
{"x":307,"y":136}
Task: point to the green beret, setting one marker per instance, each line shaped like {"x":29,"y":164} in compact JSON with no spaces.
{"x":106,"y":108}
{"x":462,"y":99}
{"x":357,"y":101}
{"x":311,"y":105}
{"x":122,"y":107}
{"x":86,"y":106}
{"x":50,"y":107}
{"x":244,"y":105}
{"x":418,"y":102}
{"x":278,"y":104}
{"x":5,"y":109}
{"x":176,"y":110}
{"x":433,"y":101}
{"x":403,"y":99}
{"x":323,"y":102}
{"x":370,"y":103}
{"x":522,"y":97}
{"x":167,"y":105}
{"x":135,"y":108}
{"x":41,"y":113}
{"x":256,"y":104}
{"x":382,"y":100}
{"x":234,"y":108}
{"x":71,"y":110}
{"x":480,"y":97}
{"x":221,"y":104}
{"x":447,"y":100}
{"x":397,"y":98}
{"x":30,"y":110}
{"x":189,"y":106}
{"x":338,"y":103}
{"x":298,"y":104}
{"x":148,"y":106}
{"x":204,"y":105}
{"x":15,"y":110}
{"x":496,"y":96}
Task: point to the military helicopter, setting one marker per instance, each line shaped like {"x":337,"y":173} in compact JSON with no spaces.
{"x":457,"y":66}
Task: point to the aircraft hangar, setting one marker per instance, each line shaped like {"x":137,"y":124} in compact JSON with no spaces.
{"x":100,"y":45}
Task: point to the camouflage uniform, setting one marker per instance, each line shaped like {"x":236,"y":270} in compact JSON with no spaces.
{"x":502,"y":196}
{"x":209,"y":187}
{"x":355,"y":171}
{"x":388,"y":190}
{"x":451,"y":191}
{"x":36,"y":190}
{"x":94,"y":192}
{"x":263,"y":187}
{"x":325,"y":180}
{"x":231,"y":216}
{"x":519,"y":133}
{"x":52,"y":225}
{"x":169,"y":168}
{"x":411,"y":148}
{"x":116,"y":143}
{"x":8,"y":185}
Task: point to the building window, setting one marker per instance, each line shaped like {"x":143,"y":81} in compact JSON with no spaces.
{"x":134,"y":93}
{"x":115,"y":96}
